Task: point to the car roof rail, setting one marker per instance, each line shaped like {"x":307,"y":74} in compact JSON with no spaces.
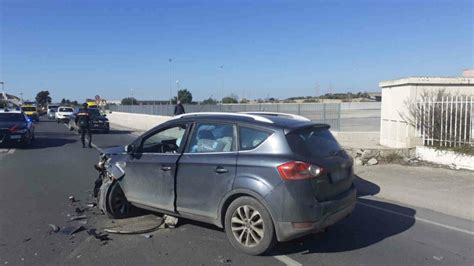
{"x":254,"y":117}
{"x":297,"y":117}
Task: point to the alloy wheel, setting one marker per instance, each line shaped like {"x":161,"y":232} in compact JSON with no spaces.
{"x":247,"y":226}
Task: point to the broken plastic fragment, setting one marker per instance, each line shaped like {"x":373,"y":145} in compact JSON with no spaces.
{"x":54,"y":228}
{"x":170,"y":221}
{"x":78,"y":217}
{"x":72,"y":199}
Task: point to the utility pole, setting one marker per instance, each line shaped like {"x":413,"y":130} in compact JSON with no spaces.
{"x":21,"y":97}
{"x":169,"y":65}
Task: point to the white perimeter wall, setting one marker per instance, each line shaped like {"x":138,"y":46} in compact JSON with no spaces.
{"x":394,"y":131}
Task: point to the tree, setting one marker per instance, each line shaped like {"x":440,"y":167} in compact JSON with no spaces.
{"x":43,"y":98}
{"x":185,"y":96}
{"x":209,"y":101}
{"x":230,"y":99}
{"x":129,"y":101}
{"x":243,"y":100}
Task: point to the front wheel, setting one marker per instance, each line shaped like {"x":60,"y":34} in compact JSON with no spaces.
{"x":249,"y":226}
{"x":117,"y":204}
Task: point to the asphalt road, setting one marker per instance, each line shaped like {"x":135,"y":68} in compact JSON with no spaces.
{"x":35,"y":184}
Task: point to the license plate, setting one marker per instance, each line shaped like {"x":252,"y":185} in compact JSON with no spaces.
{"x":337,"y":176}
{"x":15,"y":137}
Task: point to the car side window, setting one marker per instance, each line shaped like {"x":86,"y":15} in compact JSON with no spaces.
{"x":251,"y":138}
{"x":212,"y":137}
{"x":168,"y":140}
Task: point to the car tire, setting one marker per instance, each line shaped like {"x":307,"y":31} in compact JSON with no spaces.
{"x":117,"y":205}
{"x":249,"y":226}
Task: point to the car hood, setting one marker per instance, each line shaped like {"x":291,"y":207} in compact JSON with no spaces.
{"x":115,"y":150}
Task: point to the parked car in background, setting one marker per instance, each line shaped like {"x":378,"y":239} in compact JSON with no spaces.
{"x":31,"y":111}
{"x":51,"y":113}
{"x":16,"y":127}
{"x":263,"y":177}
{"x":63,"y":114}
{"x":99,"y":122}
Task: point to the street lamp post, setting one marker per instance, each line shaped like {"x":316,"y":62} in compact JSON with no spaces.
{"x":3,"y":88}
{"x":177,"y":91}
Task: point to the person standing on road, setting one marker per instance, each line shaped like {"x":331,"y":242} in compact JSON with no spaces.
{"x":178,"y":109}
{"x":83,"y":121}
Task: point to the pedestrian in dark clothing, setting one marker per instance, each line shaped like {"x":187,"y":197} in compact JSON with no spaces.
{"x":178,"y":109}
{"x":83,"y":121}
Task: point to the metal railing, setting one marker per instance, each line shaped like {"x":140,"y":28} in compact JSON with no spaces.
{"x":446,"y":121}
{"x":329,"y":113}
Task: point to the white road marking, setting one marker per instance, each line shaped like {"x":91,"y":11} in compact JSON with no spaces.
{"x":418,"y":219}
{"x":287,"y":260}
{"x":7,"y":151}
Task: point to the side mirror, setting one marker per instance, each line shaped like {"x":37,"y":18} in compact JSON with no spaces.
{"x":129,"y":148}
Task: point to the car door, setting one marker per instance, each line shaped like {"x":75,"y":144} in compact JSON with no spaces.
{"x":150,"y":169}
{"x":206,"y":169}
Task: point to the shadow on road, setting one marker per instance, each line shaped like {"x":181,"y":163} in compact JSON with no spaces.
{"x":41,"y":143}
{"x":366,"y":226}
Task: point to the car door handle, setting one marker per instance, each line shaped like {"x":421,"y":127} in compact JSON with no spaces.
{"x":166,"y":168}
{"x":221,"y":170}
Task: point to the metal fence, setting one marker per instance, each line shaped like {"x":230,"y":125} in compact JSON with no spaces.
{"x":445,"y":121}
{"x":329,"y":113}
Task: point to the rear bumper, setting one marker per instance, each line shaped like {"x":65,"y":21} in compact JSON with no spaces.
{"x":333,"y":211}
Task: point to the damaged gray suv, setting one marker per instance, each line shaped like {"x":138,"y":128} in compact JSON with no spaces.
{"x":263,"y":177}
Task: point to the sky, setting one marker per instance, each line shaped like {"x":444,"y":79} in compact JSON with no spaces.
{"x":254,"y":49}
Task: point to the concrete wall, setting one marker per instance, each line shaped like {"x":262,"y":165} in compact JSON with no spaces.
{"x":449,"y":158}
{"x":396,"y":94}
{"x":140,"y":122}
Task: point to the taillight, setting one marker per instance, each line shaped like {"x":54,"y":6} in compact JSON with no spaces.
{"x":296,"y":170}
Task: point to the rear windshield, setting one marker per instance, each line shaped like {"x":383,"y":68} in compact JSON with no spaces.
{"x":65,"y":109}
{"x":28,"y":109}
{"x":12,"y":117}
{"x":313,"y":142}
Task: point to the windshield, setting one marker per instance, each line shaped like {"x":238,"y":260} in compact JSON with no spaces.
{"x":28,"y":109}
{"x":11,"y":117}
{"x":65,"y":109}
{"x":313,"y":142}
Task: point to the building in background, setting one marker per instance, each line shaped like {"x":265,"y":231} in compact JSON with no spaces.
{"x":395,"y":132}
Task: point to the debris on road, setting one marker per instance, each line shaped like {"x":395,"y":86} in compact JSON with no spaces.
{"x":78,"y":210}
{"x":170,"y":221}
{"x":26,"y":240}
{"x":78,"y":217}
{"x":91,"y":204}
{"x":147,"y":235}
{"x":54,"y":228}
{"x":438,"y":258}
{"x":223,"y":260}
{"x":98,"y":235}
{"x":135,"y":225}
{"x":71,"y":230}
{"x":72,"y":199}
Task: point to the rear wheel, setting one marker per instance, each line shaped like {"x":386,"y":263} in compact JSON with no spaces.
{"x":249,"y":226}
{"x":116,"y":203}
